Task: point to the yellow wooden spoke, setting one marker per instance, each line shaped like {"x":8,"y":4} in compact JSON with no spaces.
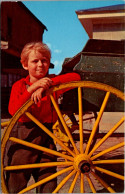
{"x":107,"y":135}
{"x":64,"y":181}
{"x":46,"y":179}
{"x":97,"y":121}
{"x":64,"y":123}
{"x":38,"y":165}
{"x":114,"y":161}
{"x":91,"y":184}
{"x":49,"y":133}
{"x":4,"y":124}
{"x":80,"y":119}
{"x":103,"y":183}
{"x":108,"y":150}
{"x":82,"y":183}
{"x":69,"y":123}
{"x":31,"y":145}
{"x":109,"y":173}
{"x":73,"y":182}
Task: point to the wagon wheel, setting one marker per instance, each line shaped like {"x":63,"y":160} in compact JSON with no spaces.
{"x":81,"y":163}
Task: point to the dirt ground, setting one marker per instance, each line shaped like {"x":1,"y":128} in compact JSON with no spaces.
{"x":107,"y":122}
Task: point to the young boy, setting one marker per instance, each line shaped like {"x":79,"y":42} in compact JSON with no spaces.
{"x":35,"y":58}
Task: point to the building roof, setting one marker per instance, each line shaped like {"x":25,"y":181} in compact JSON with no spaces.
{"x":114,"y":15}
{"x":26,"y":9}
{"x":113,"y":8}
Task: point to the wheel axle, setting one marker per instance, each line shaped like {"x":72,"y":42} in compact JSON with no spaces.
{"x":82,"y":163}
{"x":84,"y":167}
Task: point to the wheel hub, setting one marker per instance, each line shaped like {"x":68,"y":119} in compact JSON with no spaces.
{"x":82,"y":163}
{"x":84,"y":167}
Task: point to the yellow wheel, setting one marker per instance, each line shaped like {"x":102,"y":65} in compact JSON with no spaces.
{"x":82,"y":166}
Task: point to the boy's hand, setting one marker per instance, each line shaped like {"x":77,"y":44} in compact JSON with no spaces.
{"x":44,"y":83}
{"x":37,"y":95}
{"x":41,"y":85}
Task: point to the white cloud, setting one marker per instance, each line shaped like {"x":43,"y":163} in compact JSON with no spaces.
{"x":57,"y":51}
{"x":57,"y":63}
{"x":54,"y":49}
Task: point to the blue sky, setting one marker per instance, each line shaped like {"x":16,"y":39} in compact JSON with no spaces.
{"x":65,"y":36}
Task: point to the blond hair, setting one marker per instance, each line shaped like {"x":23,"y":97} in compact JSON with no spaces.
{"x":36,"y":46}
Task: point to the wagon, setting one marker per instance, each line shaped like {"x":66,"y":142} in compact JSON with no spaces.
{"x":89,"y":159}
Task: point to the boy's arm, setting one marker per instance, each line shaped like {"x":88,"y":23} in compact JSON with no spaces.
{"x":44,"y":83}
{"x":68,"y":77}
{"x":37,"y":88}
{"x":19,"y":93}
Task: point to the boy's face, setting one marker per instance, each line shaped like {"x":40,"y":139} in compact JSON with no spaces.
{"x":37,"y":66}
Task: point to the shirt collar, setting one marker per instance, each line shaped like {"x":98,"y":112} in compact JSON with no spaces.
{"x":28,"y":80}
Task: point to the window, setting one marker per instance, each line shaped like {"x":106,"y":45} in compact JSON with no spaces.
{"x":4,"y":80}
{"x":7,"y":80}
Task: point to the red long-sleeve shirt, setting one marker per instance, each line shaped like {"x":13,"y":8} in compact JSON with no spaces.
{"x":43,"y":111}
